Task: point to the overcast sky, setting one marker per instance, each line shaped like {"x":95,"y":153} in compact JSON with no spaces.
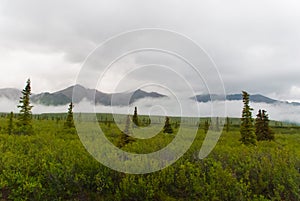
{"x":255,"y":44}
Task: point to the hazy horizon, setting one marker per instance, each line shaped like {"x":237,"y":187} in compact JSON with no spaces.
{"x":254,"y":45}
{"x":167,"y":107}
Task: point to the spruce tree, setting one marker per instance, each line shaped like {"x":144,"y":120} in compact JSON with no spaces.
{"x":247,"y":132}
{"x":10,"y":126}
{"x":135,"y":118}
{"x":25,"y":117}
{"x":70,"y":120}
{"x":168,"y":127}
{"x":270,"y":132}
{"x":259,"y":126}
{"x":262,"y":129}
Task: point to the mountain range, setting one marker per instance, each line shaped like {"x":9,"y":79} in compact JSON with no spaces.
{"x":64,"y":97}
{"x":256,"y":98}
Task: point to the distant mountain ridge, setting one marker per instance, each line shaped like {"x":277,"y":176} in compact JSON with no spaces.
{"x":256,"y":98}
{"x":65,"y":96}
{"x":10,"y":93}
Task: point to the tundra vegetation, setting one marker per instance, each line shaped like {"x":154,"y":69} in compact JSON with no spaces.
{"x":253,"y":160}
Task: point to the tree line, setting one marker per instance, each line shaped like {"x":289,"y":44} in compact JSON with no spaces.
{"x":251,"y":130}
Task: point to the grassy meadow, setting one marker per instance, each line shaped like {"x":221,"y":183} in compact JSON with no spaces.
{"x":53,"y":164}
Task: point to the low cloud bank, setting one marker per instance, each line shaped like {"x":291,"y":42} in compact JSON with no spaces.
{"x":170,"y":107}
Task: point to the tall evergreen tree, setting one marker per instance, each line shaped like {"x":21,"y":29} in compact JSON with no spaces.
{"x":259,"y":126}
{"x":25,"y":117}
{"x":247,"y":132}
{"x":270,"y":132}
{"x":135,"y":118}
{"x":10,"y":126}
{"x":262,"y":129}
{"x":168,"y":127}
{"x":70,"y":119}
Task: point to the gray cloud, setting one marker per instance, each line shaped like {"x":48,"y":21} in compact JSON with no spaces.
{"x":255,"y":44}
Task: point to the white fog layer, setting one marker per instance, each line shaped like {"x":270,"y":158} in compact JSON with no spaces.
{"x":165,"y":106}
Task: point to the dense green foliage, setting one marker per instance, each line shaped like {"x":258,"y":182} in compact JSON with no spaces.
{"x":247,"y":132}
{"x":53,"y":165}
{"x":25,"y":117}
